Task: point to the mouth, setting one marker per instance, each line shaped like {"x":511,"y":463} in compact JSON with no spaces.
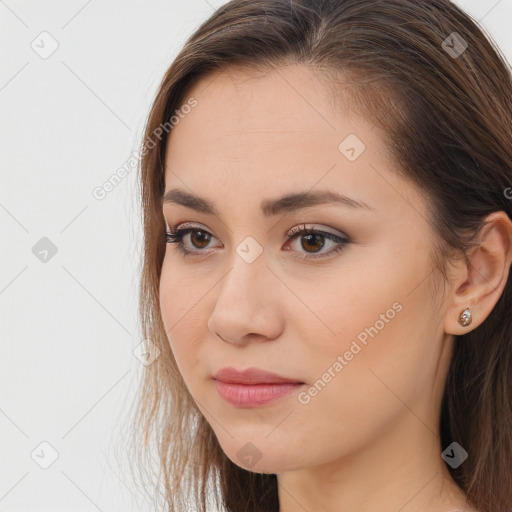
{"x":253,"y":387}
{"x":249,"y":376}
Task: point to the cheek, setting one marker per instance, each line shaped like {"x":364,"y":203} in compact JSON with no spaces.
{"x":345,"y":303}
{"x":178,"y":295}
{"x":181,"y":320}
{"x":381,"y":290}
{"x":366,"y":392}
{"x":376,"y":319}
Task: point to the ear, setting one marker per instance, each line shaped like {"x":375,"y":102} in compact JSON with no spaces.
{"x":482,"y":275}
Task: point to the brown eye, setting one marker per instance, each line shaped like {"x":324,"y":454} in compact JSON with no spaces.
{"x":203,"y":238}
{"x":313,"y":241}
{"x":196,"y":246}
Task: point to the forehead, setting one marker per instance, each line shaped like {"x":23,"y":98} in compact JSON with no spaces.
{"x":248,"y":106}
{"x":261,"y":133}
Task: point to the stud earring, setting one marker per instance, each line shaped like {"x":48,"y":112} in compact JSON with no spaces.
{"x":465,"y":317}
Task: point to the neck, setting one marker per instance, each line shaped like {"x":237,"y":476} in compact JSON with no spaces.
{"x":402,"y":470}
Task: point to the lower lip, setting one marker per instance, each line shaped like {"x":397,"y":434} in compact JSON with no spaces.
{"x":252,"y":395}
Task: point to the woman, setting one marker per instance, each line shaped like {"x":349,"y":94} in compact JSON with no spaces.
{"x":332,"y":305}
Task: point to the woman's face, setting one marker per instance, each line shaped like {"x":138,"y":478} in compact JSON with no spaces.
{"x":358,"y":323}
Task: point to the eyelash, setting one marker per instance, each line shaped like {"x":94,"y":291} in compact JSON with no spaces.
{"x":177,"y":238}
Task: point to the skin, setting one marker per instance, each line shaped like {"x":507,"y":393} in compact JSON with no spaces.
{"x":369,"y":439}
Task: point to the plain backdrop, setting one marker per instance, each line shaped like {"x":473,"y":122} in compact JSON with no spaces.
{"x":77,"y":79}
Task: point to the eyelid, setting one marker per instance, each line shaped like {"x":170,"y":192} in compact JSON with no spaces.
{"x":296,"y":229}
{"x":185,"y":225}
{"x":311,"y":227}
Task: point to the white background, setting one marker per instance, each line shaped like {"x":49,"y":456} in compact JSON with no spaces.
{"x":69,"y":326}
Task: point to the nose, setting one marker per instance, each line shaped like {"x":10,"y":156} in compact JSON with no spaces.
{"x":247,"y":305}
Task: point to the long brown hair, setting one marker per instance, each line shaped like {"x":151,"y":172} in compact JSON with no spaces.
{"x":439,"y":90}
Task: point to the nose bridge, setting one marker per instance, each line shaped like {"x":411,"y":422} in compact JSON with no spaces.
{"x":243,"y":303}
{"x":248,"y":270}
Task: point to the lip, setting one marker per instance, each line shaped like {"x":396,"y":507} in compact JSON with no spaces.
{"x":252,"y":376}
{"x":254,"y":395}
{"x":253,"y":387}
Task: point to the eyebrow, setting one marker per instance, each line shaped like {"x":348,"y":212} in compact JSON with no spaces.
{"x":269,"y":207}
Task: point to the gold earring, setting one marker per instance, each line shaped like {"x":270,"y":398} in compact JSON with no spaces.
{"x":465,"y":317}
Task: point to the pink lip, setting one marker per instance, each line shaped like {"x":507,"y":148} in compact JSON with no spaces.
{"x":252,"y":387}
{"x":251,"y":376}
{"x":252,"y":395}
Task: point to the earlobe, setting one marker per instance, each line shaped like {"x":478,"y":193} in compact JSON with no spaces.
{"x":483,"y":275}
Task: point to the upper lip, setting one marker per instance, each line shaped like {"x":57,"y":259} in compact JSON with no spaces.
{"x":251,"y":376}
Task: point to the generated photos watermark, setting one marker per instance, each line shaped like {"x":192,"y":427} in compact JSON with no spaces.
{"x":101,"y":191}
{"x":305,"y":397}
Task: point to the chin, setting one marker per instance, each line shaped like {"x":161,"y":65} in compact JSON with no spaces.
{"x":267,"y":460}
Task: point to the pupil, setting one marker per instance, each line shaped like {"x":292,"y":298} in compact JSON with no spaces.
{"x":314,"y":236}
{"x":204,"y":235}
